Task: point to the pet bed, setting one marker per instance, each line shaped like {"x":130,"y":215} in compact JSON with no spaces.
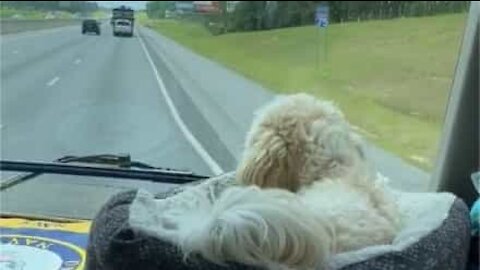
{"x":435,"y":235}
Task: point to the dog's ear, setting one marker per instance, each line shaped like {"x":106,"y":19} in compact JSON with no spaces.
{"x":273,"y":159}
{"x":338,"y":149}
{"x":359,"y":145}
{"x":339,"y":145}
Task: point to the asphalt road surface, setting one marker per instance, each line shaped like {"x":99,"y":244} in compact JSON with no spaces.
{"x":63,"y":93}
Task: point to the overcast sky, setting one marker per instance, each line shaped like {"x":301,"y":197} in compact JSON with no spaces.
{"x":132,"y":4}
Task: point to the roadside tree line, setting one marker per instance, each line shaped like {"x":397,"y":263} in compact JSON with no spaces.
{"x":262,"y":15}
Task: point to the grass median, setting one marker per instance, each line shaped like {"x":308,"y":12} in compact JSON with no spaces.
{"x":390,"y":77}
{"x":11,"y":13}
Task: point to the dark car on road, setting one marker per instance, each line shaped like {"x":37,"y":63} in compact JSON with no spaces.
{"x":90,"y":26}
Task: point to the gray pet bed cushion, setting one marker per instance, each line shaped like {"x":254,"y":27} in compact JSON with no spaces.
{"x":436,"y":235}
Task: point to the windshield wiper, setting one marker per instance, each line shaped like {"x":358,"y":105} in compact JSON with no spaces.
{"x":119,"y":166}
{"x":122,"y":161}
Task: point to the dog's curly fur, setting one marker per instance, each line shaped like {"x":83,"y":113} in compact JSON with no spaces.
{"x":305,"y":145}
{"x":296,"y":140}
{"x":305,"y":192}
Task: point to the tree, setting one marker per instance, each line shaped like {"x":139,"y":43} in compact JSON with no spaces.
{"x":156,"y":9}
{"x":70,"y":6}
{"x":260,"y":15}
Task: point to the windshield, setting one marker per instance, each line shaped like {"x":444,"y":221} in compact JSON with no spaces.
{"x":180,"y":88}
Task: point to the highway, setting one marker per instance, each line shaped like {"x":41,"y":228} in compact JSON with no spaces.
{"x":64,"y":93}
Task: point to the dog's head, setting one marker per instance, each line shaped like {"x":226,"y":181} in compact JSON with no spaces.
{"x":296,"y":140}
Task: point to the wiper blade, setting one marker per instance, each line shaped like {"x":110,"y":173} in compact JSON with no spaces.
{"x":120,"y":167}
{"x":122,"y":161}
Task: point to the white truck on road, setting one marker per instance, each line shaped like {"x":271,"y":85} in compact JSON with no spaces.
{"x":122,"y":27}
{"x":122,"y":21}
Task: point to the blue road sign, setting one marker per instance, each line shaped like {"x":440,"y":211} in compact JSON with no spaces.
{"x":321,"y":16}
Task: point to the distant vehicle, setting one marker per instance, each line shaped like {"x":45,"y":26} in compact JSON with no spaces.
{"x":122,"y":21}
{"x":122,"y":27}
{"x":89,"y":26}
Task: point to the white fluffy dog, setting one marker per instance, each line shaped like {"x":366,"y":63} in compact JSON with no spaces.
{"x":305,"y":193}
{"x":296,"y":140}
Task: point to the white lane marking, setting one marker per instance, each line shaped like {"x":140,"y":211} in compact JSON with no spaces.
{"x":216,"y":169}
{"x":53,"y":81}
{"x":77,"y":61}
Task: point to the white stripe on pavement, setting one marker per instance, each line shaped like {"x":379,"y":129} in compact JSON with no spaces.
{"x":53,"y":81}
{"x":216,"y":169}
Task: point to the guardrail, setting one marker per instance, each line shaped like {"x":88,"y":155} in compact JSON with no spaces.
{"x":15,"y":26}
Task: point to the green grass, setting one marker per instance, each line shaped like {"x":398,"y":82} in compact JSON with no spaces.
{"x":141,"y":17}
{"x":7,"y":13}
{"x":100,"y":14}
{"x":391,"y":78}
